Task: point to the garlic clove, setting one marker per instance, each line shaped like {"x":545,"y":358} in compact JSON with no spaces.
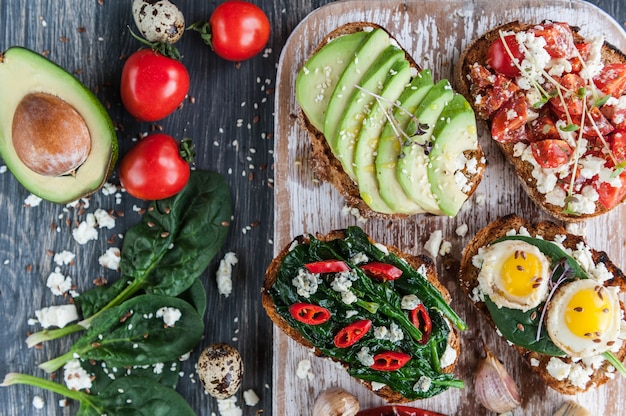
{"x":571,"y":408}
{"x":336,"y":402}
{"x":495,"y":389}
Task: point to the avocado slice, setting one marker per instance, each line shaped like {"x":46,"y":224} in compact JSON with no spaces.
{"x":412,"y":167}
{"x":367,"y":141}
{"x":360,"y":104}
{"x":454,"y":133}
{"x":318,"y":77}
{"x":25,"y":77}
{"x":374,"y":45}
{"x":389,"y":146}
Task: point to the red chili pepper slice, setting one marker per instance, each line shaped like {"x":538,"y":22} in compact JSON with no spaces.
{"x":390,"y":361}
{"x":351,"y":334}
{"x":420,"y":318}
{"x":309,"y":313}
{"x":327,"y":266}
{"x":381,"y":271}
{"x":394,"y":410}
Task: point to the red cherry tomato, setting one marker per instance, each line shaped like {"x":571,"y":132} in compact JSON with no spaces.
{"x":327,"y":266}
{"x":309,"y":313}
{"x":381,"y":271}
{"x":509,"y":118}
{"x":351,"y":334}
{"x":390,"y":361}
{"x":612,"y":79}
{"x":238,"y":29}
{"x":153,"y":85}
{"x":610,"y":196}
{"x":155,"y":168}
{"x":499,"y":59}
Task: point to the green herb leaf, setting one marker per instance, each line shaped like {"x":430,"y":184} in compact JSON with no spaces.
{"x":570,"y":127}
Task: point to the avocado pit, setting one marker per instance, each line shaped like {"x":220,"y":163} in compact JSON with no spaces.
{"x":49,"y":136}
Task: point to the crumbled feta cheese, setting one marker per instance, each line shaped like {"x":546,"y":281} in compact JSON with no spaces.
{"x":359,"y":258}
{"x":445,"y":248}
{"x":534,"y":362}
{"x":38,"y":402}
{"x":304,"y":370}
{"x":351,"y":313}
{"x":32,"y":200}
{"x":58,"y":316}
{"x":461,"y":230}
{"x":86,"y":230}
{"x":64,"y":257}
{"x":75,"y":376}
{"x":558,"y":369}
{"x":104,"y":219}
{"x":433,"y":243}
{"x":448,"y":357}
{"x":3,"y":169}
{"x":109,"y":189}
{"x":250,"y":397}
{"x":58,"y":283}
{"x":170,"y":315}
{"x":422,"y":384}
{"x":228,"y":407}
{"x":110,"y":259}
{"x":377,"y":386}
{"x":224,"y":273}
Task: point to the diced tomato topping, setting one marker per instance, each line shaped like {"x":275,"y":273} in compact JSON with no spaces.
{"x":390,"y":361}
{"x":544,"y":127}
{"x":480,"y":76}
{"x":610,"y":196}
{"x":583,"y":51}
{"x":616,"y":113}
{"x":602,"y":125}
{"x":612,"y":79}
{"x":511,"y":117}
{"x":558,"y":37}
{"x":327,"y":266}
{"x":501,"y":60}
{"x":573,"y":98}
{"x":381,"y":271}
{"x":551,"y":153}
{"x":617,"y":142}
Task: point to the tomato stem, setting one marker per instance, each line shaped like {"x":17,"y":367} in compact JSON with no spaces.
{"x":164,"y":48}
{"x":204,"y":28}
{"x":187,"y":150}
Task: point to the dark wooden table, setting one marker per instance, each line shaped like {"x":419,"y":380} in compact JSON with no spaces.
{"x":229,"y":115}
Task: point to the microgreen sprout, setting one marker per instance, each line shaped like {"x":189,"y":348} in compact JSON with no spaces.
{"x":567,"y":273}
{"x":406,"y":137}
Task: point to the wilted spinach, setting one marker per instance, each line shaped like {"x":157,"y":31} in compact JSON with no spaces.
{"x":136,"y":396}
{"x":166,"y":252}
{"x":133,"y":334}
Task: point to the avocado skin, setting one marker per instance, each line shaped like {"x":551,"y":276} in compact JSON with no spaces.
{"x":23,"y":71}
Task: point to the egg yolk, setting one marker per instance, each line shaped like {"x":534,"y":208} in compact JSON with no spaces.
{"x":588,"y":313}
{"x":520,"y":273}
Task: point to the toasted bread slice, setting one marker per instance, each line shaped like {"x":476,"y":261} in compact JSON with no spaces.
{"x":476,"y":53}
{"x":329,"y":169}
{"x":423,"y":263}
{"x":538,"y":362}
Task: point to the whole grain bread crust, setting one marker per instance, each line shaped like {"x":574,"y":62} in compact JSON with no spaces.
{"x":415,"y":261}
{"x":476,"y":52}
{"x":329,"y":169}
{"x":468,"y":278}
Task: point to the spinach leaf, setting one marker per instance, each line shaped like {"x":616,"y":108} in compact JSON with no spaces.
{"x":133,"y":334}
{"x":521,"y":328}
{"x":103,"y":375}
{"x":196,"y":296}
{"x":126,"y":396}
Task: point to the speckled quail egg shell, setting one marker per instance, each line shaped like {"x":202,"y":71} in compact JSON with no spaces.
{"x":158,"y":21}
{"x":220,"y":369}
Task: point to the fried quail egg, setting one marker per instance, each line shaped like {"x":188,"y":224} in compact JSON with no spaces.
{"x":583,"y":318}
{"x":514,"y":274}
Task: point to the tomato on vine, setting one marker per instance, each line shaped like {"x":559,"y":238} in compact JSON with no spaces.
{"x":157,"y":167}
{"x":153,"y":85}
{"x":237,"y":30}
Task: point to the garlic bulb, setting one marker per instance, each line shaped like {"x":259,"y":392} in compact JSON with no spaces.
{"x":495,"y":389}
{"x":336,"y":402}
{"x":570,"y":408}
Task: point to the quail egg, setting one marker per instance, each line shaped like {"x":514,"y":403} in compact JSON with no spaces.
{"x":584,"y":318}
{"x":220,"y":369}
{"x":514,"y":274}
{"x":158,"y":21}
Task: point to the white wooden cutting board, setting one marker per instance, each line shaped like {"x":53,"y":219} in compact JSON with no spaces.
{"x":434,"y":32}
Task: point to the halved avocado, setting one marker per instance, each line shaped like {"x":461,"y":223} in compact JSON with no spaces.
{"x":41,"y":102}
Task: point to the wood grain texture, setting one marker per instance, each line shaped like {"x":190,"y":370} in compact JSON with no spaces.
{"x":434,"y":32}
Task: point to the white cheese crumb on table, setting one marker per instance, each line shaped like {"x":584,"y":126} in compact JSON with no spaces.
{"x":224,"y":274}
